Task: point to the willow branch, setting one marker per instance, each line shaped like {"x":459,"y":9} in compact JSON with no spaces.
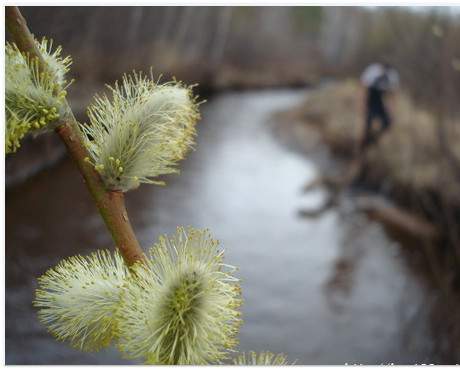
{"x":111,"y":204}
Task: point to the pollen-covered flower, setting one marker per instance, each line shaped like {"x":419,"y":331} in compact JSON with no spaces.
{"x":33,"y":96}
{"x":16,"y":129}
{"x":261,"y":358}
{"x":141,"y":132}
{"x":182,"y":305}
{"x":77,"y":299}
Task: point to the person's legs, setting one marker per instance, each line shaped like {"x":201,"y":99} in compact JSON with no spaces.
{"x":367,"y":129}
{"x":385,"y":122}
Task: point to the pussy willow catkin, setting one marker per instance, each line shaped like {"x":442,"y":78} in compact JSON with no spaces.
{"x":260,"y":358}
{"x":77,"y":299}
{"x":141,"y":131}
{"x":182,"y":306}
{"x":34,"y":96}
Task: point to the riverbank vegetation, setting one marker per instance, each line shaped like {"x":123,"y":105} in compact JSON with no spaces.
{"x":409,"y":157}
{"x":225,"y":48}
{"x":411,"y":164}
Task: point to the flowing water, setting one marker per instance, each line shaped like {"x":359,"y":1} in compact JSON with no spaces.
{"x":330,"y":290}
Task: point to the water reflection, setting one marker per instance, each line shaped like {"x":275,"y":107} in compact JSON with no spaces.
{"x":327,"y":290}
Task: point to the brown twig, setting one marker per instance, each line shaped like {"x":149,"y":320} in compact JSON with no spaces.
{"x":111,"y":204}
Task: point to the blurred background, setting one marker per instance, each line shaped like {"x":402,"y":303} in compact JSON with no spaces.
{"x":342,"y":260}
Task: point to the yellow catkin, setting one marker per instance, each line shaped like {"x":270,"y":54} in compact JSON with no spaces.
{"x":182,"y":306}
{"x":77,"y":299}
{"x":33,"y":99}
{"x":260,"y":358}
{"x":141,"y":131}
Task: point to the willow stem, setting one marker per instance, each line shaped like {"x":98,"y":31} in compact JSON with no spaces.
{"x":111,"y":204}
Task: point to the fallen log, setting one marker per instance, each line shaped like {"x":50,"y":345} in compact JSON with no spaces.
{"x":398,"y":219}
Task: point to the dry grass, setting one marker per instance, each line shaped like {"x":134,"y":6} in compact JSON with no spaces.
{"x":411,"y":164}
{"x":407,"y":156}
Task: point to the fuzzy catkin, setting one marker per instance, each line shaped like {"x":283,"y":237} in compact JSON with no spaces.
{"x":140,"y":132}
{"x":260,"y":358}
{"x":78,"y":298}
{"x":34,"y":96}
{"x":182,"y":306}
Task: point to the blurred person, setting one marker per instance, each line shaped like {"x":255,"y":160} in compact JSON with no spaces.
{"x":379,"y":80}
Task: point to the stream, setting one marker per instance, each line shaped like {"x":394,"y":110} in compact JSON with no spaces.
{"x":331,"y":290}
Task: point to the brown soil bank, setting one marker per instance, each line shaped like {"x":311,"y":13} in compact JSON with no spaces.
{"x":411,"y":164}
{"x":407,"y":160}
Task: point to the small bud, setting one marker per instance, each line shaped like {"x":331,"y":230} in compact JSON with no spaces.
{"x":261,"y":358}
